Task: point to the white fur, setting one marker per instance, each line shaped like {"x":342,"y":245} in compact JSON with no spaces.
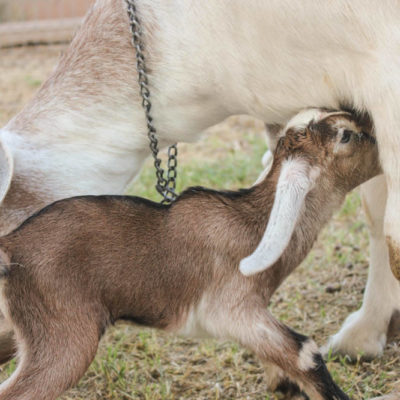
{"x":6,"y":170}
{"x":193,"y":322}
{"x":208,"y":319}
{"x":306,"y":357}
{"x":267,"y":161}
{"x":290,"y":54}
{"x":295,"y":181}
{"x":302,"y":119}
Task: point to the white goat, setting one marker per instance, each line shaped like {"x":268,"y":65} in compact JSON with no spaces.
{"x":84,"y":133}
{"x":83,"y":263}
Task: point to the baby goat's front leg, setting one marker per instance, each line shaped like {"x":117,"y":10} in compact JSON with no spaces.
{"x":278,"y":381}
{"x":274,"y":343}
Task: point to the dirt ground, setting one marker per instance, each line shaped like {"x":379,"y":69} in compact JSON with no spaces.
{"x":144,"y":364}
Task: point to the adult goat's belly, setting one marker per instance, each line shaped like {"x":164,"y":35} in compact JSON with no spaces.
{"x":303,"y":54}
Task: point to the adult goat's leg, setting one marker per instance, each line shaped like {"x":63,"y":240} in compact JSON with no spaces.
{"x":365,"y":330}
{"x":386,"y":116}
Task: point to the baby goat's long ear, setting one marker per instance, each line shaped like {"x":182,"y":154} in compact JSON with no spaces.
{"x":295,"y":181}
{"x":6,"y":170}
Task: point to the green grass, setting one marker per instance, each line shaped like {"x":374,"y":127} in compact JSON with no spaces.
{"x":32,"y":81}
{"x":234,"y":170}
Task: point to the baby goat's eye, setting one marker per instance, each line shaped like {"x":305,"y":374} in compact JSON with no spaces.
{"x":346,"y":136}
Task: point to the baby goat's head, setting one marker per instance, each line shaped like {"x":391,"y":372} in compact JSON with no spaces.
{"x":335,"y":147}
{"x":321,"y":156}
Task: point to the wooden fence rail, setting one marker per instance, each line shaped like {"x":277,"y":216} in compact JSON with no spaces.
{"x":27,"y":10}
{"x":39,"y":21}
{"x":38,"y":32}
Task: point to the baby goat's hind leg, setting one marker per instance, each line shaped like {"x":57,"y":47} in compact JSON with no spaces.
{"x":54,"y":351}
{"x":297,"y":355}
{"x":50,"y":362}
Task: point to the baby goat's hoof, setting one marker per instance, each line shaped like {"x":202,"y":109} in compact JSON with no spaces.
{"x":291,"y":390}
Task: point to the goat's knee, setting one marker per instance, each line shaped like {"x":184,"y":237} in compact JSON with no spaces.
{"x":308,"y":369}
{"x":313,"y":373}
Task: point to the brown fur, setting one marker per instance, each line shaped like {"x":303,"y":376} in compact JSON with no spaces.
{"x":83,"y":263}
{"x":394,"y":256}
{"x":20,"y":200}
{"x":93,"y":54}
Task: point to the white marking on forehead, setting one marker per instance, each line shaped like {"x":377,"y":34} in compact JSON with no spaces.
{"x":303,"y":118}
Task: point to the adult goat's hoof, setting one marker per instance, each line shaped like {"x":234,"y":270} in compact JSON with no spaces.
{"x":357,"y":337}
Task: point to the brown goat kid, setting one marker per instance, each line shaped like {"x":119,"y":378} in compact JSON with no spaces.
{"x":83,"y":263}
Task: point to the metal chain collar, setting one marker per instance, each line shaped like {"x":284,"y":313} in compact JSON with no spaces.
{"x":165,"y":186}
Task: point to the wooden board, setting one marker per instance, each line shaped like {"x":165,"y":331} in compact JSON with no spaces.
{"x":37,"y":32}
{"x":32,"y":10}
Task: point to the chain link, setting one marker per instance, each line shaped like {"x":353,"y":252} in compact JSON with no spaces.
{"x":165,"y":186}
